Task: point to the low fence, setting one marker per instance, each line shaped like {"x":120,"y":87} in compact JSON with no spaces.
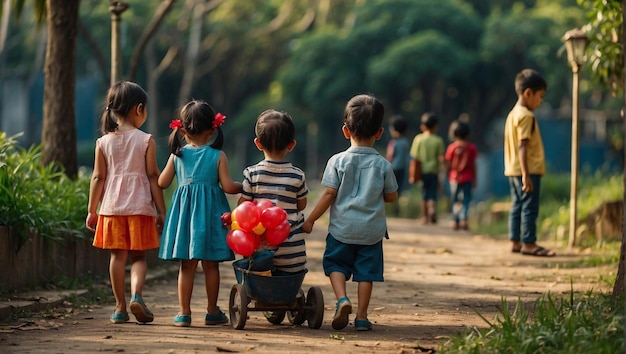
{"x":39,"y":261}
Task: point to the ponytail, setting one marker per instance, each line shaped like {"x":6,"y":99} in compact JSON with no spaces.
{"x":219,"y":139}
{"x":107,"y":123}
{"x":174,"y":143}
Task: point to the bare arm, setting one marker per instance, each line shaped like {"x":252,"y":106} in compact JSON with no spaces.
{"x":301,"y":204}
{"x":168,"y":173}
{"x":325,"y":201}
{"x":390,"y":197}
{"x":228,"y":185}
{"x":96,"y":187}
{"x":527,"y":183}
{"x":152,"y":170}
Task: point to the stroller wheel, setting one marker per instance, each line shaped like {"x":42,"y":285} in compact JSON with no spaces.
{"x":238,"y":306}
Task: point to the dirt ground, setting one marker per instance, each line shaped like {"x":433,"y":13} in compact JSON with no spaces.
{"x":436,"y":280}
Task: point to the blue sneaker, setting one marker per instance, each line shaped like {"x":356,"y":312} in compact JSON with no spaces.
{"x":219,"y":318}
{"x":344,"y":309}
{"x":119,"y":317}
{"x":363,"y":325}
{"x":139,"y":309}
{"x":182,"y":320}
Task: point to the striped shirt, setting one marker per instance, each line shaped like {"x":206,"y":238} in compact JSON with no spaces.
{"x":283,"y":184}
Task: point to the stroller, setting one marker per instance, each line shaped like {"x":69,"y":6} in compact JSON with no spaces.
{"x":257,"y":289}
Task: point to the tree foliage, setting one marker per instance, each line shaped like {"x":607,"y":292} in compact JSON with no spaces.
{"x":605,"y":51}
{"x":455,"y":57}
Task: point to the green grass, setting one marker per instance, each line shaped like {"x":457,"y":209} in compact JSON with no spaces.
{"x":554,"y":212}
{"x":590,"y":323}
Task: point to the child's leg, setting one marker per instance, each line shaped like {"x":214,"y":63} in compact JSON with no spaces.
{"x":365,"y":293}
{"x":424,"y":207}
{"x":344,"y":307}
{"x":212,"y":281}
{"x":138,"y":270}
{"x":338,"y":282}
{"x":186,"y":276}
{"x":117,"y":272}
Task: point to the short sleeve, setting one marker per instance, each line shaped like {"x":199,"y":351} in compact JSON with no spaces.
{"x":525,"y":127}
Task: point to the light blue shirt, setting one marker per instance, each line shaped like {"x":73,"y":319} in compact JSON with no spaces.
{"x":361,"y":176}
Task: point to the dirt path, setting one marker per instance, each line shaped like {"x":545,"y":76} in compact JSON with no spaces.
{"x":435,"y":280}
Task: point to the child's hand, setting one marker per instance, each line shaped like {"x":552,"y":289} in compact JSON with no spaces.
{"x":92,"y":220}
{"x":160,"y":221}
{"x":307,"y":226}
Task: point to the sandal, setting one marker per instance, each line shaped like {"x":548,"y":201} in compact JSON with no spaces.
{"x":182,"y":320}
{"x":363,"y":325}
{"x":139,"y":309}
{"x":119,"y":317}
{"x":214,"y":319}
{"x":539,"y":252}
{"x":344,"y":309}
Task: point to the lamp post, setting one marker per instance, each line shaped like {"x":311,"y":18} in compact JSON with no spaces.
{"x":116,"y":8}
{"x":575,"y":43}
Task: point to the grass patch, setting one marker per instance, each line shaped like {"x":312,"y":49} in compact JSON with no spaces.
{"x":590,"y":323}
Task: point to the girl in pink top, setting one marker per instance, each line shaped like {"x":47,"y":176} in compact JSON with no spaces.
{"x":460,"y":158}
{"x":124,"y":185}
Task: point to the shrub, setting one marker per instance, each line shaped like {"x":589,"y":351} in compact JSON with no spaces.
{"x":37,"y":198}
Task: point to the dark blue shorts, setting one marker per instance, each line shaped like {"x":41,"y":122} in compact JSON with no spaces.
{"x":430,"y":185}
{"x":361,"y":262}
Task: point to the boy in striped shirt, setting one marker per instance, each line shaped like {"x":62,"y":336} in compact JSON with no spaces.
{"x":280,"y":182}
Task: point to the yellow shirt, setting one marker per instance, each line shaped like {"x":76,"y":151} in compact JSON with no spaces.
{"x":521,"y":124}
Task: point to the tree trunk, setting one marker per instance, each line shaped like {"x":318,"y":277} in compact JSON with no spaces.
{"x":59,"y":126}
{"x":620,"y":284}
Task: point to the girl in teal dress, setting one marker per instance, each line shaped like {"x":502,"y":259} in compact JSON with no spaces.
{"x":193,"y":229}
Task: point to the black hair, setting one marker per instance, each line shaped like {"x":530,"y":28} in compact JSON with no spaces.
{"x":363,"y":116}
{"x":196,"y":117}
{"x":275,"y":130}
{"x":430,"y":120}
{"x":529,"y":79}
{"x":121,"y":98}
{"x":461,"y":130}
{"x":399,"y":124}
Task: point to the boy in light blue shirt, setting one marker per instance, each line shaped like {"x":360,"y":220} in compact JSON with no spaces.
{"x":358,"y":181}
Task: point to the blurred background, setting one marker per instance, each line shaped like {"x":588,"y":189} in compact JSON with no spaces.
{"x":457,"y":58}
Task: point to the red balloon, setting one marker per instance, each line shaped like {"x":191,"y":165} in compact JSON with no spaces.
{"x":273,"y":216}
{"x":247,"y":215}
{"x":263,"y":204}
{"x":279,"y":234}
{"x":226,"y":219}
{"x":257,"y":241}
{"x":241,"y":242}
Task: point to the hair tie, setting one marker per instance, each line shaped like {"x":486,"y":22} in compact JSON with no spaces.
{"x":218,"y":120}
{"x":107,"y":108}
{"x":176,"y":123}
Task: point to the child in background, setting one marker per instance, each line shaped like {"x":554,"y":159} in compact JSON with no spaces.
{"x":398,"y":154}
{"x":461,"y":161}
{"x":193,"y":229}
{"x":281,"y":183}
{"x":525,"y":163}
{"x":427,"y":153}
{"x":124,"y":184}
{"x":358,"y":182}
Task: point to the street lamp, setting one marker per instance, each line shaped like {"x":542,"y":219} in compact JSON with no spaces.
{"x":575,"y":43}
{"x":116,"y":8}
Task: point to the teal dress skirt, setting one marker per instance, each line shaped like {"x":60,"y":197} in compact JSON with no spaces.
{"x":193,"y":228}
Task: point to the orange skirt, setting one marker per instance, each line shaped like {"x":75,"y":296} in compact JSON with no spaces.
{"x":126,"y":232}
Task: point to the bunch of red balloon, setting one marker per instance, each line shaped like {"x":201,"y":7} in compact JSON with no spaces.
{"x":252,"y":222}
